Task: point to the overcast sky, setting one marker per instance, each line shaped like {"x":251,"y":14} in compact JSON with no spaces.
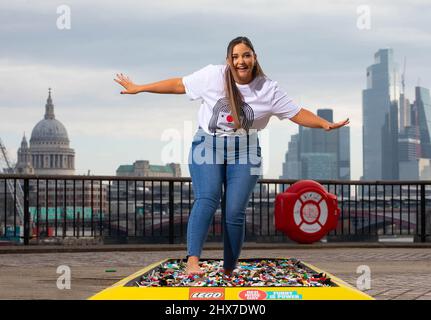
{"x":314,"y":49}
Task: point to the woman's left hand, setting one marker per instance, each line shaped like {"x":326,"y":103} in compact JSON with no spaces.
{"x":331,"y":126}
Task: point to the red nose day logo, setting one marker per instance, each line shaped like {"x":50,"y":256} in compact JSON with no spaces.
{"x":206,"y":293}
{"x":229,"y":118}
{"x":252,"y":295}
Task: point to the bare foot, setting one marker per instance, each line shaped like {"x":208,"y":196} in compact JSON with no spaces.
{"x":227,"y":273}
{"x":193,"y":266}
{"x":192,"y":270}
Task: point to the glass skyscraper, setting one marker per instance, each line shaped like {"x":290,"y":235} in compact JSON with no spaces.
{"x":381,"y":93}
{"x":318,"y":154}
{"x":415,"y":141}
{"x":344,"y":153}
{"x":422,"y":106}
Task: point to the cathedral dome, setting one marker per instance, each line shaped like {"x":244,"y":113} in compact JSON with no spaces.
{"x":49,"y":151}
{"x":49,"y":130}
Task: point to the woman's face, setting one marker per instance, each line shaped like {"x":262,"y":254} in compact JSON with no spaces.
{"x":243,"y":60}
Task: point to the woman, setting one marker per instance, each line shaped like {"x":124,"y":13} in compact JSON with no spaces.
{"x":237,"y":100}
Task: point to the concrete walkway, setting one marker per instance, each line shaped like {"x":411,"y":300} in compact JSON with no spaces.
{"x":397,"y":272}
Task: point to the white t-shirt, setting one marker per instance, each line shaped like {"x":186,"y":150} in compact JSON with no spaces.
{"x":262,"y":99}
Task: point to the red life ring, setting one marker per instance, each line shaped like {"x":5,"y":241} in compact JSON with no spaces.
{"x":306,"y":212}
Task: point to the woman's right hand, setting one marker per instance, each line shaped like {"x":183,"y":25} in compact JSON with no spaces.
{"x":130,"y":87}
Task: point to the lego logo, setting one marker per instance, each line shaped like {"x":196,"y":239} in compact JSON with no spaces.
{"x":209,"y":294}
{"x":206,"y":295}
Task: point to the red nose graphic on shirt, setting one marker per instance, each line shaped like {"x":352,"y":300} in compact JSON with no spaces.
{"x":229,"y":118}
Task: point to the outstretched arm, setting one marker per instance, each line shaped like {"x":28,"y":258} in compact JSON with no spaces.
{"x":308,"y":119}
{"x":174,"y":85}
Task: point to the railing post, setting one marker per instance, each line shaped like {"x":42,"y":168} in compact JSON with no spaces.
{"x":171,"y":212}
{"x":26,"y":212}
{"x":423,"y":214}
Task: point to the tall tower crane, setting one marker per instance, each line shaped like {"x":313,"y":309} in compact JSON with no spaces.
{"x":4,"y":160}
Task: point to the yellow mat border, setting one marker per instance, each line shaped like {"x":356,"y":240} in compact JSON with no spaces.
{"x":118,"y":292}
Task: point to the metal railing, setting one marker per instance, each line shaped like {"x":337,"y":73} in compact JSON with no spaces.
{"x":155,"y":210}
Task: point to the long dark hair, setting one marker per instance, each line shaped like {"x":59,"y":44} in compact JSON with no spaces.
{"x":233,"y":94}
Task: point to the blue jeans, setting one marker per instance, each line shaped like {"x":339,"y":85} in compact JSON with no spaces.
{"x":231,"y":162}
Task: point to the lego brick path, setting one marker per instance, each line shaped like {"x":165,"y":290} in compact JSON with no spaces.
{"x":396,"y":273}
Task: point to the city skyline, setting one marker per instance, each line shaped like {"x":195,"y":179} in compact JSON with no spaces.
{"x":396,"y":142}
{"x":318,"y":155}
{"x":107,"y":129}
